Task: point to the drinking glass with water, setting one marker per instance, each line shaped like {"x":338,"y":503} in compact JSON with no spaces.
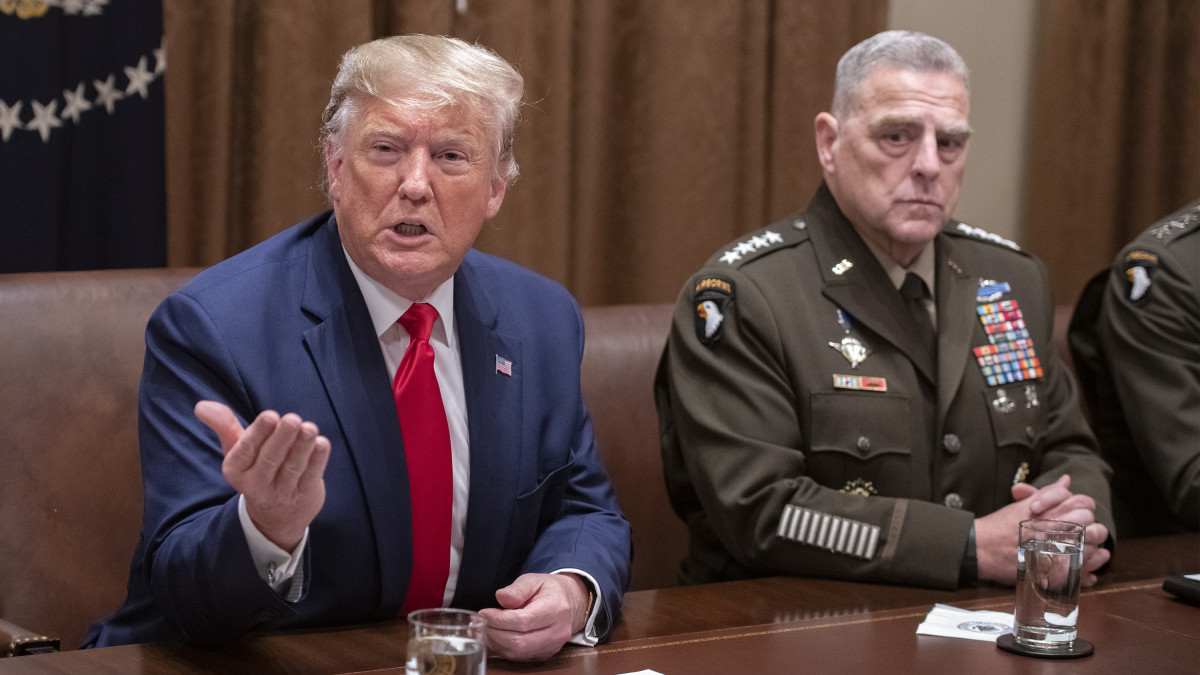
{"x":446,"y":641}
{"x":1049,"y":561}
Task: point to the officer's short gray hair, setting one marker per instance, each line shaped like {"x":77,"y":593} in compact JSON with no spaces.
{"x":432,"y":73}
{"x":901,"y":49}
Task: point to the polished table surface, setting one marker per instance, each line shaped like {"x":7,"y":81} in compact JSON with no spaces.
{"x":772,"y":625}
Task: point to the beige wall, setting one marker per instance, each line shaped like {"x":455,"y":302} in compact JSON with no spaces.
{"x":996,"y":39}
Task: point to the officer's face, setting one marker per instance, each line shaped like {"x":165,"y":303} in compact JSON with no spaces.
{"x":410,"y":190}
{"x":895,"y":161}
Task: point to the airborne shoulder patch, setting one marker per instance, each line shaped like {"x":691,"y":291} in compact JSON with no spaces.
{"x":711,"y":297}
{"x":1139,"y":269}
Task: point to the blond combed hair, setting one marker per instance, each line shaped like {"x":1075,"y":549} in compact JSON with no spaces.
{"x":429,"y":72}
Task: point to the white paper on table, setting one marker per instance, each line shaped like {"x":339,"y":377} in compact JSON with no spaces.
{"x":644,"y":672}
{"x":947,"y":621}
{"x":1193,"y":577}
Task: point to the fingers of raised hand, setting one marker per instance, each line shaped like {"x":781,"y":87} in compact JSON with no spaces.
{"x":287,"y":452}
{"x":275,"y":455}
{"x":221,"y":419}
{"x":317,"y":460}
{"x":243,"y":455}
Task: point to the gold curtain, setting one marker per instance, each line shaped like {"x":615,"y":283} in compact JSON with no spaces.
{"x":655,"y":131}
{"x":1115,"y":143}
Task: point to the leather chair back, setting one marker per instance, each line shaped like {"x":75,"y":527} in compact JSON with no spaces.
{"x":71,"y":349}
{"x":620,"y":357}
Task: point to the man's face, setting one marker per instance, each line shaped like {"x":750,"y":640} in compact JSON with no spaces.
{"x":894,"y":162}
{"x":410,"y":191}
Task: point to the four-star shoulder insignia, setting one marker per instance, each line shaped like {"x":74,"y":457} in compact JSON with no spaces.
{"x":1176,"y":224}
{"x":746,"y":248}
{"x":986,"y":236}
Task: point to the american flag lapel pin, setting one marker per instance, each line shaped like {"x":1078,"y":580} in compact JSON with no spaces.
{"x":503,"y":365}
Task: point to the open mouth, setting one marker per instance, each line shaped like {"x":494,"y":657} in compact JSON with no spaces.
{"x":407,"y":228}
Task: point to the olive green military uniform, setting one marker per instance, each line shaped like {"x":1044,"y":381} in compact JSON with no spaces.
{"x":806,"y":430}
{"x":1136,"y":340}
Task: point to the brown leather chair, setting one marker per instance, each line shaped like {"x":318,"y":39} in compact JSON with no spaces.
{"x":71,"y":350}
{"x":621,"y":351}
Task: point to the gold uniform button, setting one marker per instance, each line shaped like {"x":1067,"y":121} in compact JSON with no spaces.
{"x":954,"y":501}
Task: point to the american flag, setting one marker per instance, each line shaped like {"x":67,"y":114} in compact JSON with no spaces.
{"x":503,"y":365}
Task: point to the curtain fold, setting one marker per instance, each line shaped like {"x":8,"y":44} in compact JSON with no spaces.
{"x":654,"y":132}
{"x":1115,"y":142}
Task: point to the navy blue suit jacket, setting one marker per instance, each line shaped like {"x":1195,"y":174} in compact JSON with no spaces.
{"x":283,"y":326}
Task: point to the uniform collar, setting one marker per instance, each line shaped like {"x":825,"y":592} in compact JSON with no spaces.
{"x":923,"y":266}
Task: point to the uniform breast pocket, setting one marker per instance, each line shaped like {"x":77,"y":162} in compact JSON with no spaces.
{"x":1017,"y":416}
{"x":861,"y":443}
{"x":1018,"y":424}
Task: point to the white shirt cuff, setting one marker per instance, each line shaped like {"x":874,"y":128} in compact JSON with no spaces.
{"x":587,"y":637}
{"x":274,"y":565}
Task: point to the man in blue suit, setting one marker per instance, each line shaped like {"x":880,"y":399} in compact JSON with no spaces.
{"x":303,"y":517}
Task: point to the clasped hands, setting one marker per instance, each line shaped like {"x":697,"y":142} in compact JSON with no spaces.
{"x":996,"y":534}
{"x":278,"y":463}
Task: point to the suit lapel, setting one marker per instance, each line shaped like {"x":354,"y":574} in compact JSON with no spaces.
{"x":862,"y":288}
{"x":494,"y":420}
{"x":345,"y":352}
{"x":956,"y":320}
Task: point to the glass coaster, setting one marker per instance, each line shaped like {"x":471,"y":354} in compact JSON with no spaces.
{"x":1078,"y":649}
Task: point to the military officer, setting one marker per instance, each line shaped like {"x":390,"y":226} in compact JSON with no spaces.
{"x":1135,"y":337}
{"x":869,"y":390}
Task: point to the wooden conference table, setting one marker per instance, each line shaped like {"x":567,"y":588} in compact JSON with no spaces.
{"x":773,"y":625}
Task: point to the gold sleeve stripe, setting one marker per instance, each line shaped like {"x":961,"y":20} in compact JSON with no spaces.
{"x":833,"y":533}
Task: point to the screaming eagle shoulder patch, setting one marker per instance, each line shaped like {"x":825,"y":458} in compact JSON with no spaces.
{"x":711,"y":298}
{"x":1139,"y":269}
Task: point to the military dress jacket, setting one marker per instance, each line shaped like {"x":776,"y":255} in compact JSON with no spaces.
{"x":807,"y":430}
{"x":1135,"y":338}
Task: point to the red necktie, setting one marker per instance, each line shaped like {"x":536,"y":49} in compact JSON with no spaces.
{"x":426,"y":438}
